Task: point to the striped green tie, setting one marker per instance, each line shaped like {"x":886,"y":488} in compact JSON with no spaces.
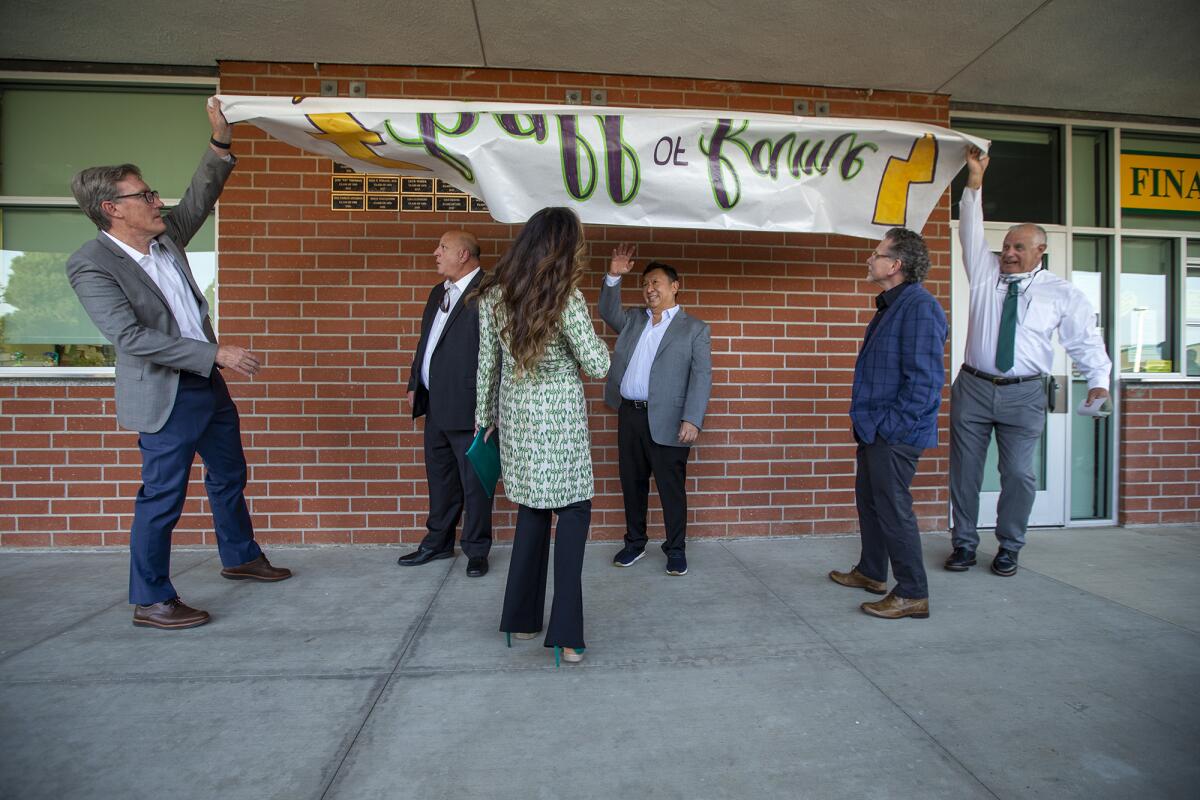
{"x":1007,"y":342}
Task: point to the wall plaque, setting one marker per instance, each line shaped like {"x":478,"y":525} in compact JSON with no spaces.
{"x":346,"y":202}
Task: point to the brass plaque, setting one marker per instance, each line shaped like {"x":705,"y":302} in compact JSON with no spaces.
{"x":446,"y":188}
{"x":383,"y":185}
{"x":416,"y":185}
{"x":451,"y":202}
{"x":478,"y":205}
{"x":416,"y":202}
{"x":347,"y":184}
{"x":346,"y":202}
{"x":383,"y":202}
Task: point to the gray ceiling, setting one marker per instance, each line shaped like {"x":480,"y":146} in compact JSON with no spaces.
{"x":1116,"y":56}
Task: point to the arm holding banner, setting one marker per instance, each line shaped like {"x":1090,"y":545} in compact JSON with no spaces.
{"x":977,"y":256}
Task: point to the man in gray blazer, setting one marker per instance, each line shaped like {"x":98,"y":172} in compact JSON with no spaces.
{"x":135,"y":283}
{"x":659,"y":384}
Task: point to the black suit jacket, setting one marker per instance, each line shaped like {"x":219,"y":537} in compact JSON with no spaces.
{"x":450,"y":399}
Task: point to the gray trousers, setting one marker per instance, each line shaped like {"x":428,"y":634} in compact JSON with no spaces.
{"x":1017,"y":413}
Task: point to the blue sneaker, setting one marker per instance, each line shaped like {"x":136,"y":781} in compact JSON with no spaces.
{"x":628,"y":556}
{"x":676,"y":564}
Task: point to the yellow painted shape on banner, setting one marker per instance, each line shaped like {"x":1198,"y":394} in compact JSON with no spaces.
{"x":891,"y":204}
{"x":1162,"y":183}
{"x":348,"y":134}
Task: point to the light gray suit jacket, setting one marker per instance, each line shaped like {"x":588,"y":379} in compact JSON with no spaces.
{"x":681,"y":375}
{"x":131,"y":312}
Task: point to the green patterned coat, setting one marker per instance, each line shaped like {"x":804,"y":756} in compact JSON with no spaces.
{"x":545,"y":446}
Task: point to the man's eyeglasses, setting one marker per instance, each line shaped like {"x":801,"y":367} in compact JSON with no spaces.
{"x":150,"y":196}
{"x":871,"y":258}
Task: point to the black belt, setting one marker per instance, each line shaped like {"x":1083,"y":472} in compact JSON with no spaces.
{"x":998,"y":380}
{"x":635,"y":403}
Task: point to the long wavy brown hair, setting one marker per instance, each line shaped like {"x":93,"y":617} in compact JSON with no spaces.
{"x":535,"y":279}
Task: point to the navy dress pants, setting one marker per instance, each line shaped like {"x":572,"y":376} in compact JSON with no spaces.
{"x":885,"y":516}
{"x":204,"y":421}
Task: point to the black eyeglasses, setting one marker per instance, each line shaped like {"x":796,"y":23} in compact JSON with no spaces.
{"x":150,"y":196}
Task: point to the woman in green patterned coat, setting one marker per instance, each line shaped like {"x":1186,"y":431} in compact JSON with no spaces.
{"x":534,"y":336}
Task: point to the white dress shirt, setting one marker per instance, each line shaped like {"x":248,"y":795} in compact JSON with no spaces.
{"x":635,"y":385}
{"x":160,"y":265}
{"x":1045,"y":303}
{"x":455,"y":291}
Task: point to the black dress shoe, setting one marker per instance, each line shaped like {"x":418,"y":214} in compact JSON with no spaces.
{"x":477,"y":567}
{"x":1005,"y":563}
{"x":423,"y":555}
{"x":962,"y":559}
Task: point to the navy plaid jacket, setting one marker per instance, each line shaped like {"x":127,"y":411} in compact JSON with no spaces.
{"x":899,"y":374}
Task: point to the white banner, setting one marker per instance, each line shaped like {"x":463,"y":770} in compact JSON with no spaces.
{"x":636,"y":166}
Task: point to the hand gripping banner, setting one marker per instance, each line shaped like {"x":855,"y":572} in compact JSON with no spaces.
{"x":637,"y":166}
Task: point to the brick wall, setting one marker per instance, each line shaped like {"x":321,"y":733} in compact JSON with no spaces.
{"x":1160,"y":454}
{"x":332,"y":302}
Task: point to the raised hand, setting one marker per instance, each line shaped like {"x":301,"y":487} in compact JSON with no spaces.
{"x":977,"y":164}
{"x":622,"y":259}
{"x":222,"y":131}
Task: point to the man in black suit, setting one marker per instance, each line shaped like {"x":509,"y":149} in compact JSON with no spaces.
{"x":441,"y":388}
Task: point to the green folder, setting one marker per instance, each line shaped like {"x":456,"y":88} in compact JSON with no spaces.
{"x":485,"y":458}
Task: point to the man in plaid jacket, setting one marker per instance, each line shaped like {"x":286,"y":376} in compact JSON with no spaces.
{"x":898,"y":381}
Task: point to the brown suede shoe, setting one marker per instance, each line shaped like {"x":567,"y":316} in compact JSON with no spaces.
{"x":169,"y":614}
{"x":259,"y":570}
{"x":856,"y":580}
{"x":894,"y":607}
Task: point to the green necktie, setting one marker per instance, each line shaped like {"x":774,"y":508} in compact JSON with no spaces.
{"x":1006,"y":344}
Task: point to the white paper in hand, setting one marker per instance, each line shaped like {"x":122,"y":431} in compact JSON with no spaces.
{"x":1097,"y":408}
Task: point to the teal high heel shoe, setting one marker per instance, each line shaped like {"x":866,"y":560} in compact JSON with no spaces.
{"x":508,"y":638}
{"x":572,"y":655}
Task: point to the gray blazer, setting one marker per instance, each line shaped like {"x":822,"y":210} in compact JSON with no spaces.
{"x":131,"y":312}
{"x":681,"y":375}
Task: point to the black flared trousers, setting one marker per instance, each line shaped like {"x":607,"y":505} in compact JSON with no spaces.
{"x":525,"y":593}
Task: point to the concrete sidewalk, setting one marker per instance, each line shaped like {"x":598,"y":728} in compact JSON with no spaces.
{"x":753,"y":676}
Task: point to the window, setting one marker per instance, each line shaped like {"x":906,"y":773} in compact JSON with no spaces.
{"x":1090,"y":182}
{"x":1160,"y":182}
{"x":1024,"y":181}
{"x":1090,"y":438}
{"x":1191,"y":340}
{"x":1144,"y":318}
{"x":47,"y":134}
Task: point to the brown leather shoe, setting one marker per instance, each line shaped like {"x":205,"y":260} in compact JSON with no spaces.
{"x":169,"y":614}
{"x":894,"y":607}
{"x":856,"y":580}
{"x":259,"y":570}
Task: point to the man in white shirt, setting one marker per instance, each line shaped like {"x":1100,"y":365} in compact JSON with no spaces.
{"x":441,"y":387}
{"x":1016,"y":306}
{"x":659,"y":384}
{"x":135,"y":283}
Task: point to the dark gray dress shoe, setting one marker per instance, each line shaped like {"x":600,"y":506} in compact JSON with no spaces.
{"x":477,"y":567}
{"x":1005,"y":563}
{"x":961,"y":560}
